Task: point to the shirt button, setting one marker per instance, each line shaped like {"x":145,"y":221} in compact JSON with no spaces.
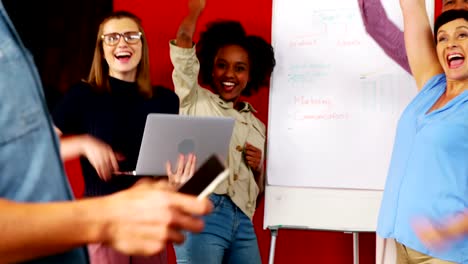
{"x":236,"y":177}
{"x":231,"y":192}
{"x":239,"y":148}
{"x":249,"y":205}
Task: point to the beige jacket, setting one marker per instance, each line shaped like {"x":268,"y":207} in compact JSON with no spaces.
{"x":198,"y":101}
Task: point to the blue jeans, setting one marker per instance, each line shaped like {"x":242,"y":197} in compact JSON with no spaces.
{"x":228,"y":237}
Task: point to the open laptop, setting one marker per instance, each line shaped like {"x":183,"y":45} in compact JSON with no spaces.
{"x":167,"y":135}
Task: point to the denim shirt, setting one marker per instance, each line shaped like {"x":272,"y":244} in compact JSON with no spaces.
{"x":30,"y":166}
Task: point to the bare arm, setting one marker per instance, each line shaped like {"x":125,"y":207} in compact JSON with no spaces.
{"x":71,"y":147}
{"x":387,"y":35}
{"x":184,"y":38}
{"x":37,"y":230}
{"x":138,"y":221}
{"x":99,"y":154}
{"x":419,"y":42}
{"x":184,"y":59}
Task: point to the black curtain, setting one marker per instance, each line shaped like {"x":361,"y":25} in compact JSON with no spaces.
{"x":61,"y":35}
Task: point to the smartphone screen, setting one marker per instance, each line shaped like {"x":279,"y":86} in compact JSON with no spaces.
{"x":204,"y":176}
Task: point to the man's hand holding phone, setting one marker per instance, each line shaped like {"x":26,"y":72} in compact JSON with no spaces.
{"x":205,"y":180}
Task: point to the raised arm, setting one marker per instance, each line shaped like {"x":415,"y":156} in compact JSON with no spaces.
{"x":184,"y":59}
{"x":387,"y":35}
{"x":419,"y":41}
{"x":184,"y":38}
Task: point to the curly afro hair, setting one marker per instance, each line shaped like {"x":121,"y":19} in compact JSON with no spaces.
{"x":221,"y":33}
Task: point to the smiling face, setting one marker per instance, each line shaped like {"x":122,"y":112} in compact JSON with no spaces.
{"x":452,"y":47}
{"x":454,"y":4}
{"x":231,"y":72}
{"x":122,"y":58}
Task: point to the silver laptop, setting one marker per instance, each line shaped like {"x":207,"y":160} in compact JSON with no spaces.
{"x":168,"y":135}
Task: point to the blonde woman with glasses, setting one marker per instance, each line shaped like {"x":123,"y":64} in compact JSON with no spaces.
{"x":107,"y":114}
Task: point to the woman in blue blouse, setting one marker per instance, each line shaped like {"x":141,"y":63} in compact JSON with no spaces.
{"x":428,"y":175}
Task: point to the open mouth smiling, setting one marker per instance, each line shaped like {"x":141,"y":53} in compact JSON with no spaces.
{"x":455,"y":60}
{"x":123,"y":55}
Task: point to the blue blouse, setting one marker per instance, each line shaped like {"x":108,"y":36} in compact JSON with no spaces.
{"x":428,"y":174}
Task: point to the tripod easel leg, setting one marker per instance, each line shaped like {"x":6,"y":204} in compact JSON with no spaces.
{"x":274,"y":235}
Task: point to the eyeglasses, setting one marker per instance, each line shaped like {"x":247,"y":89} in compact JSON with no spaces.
{"x":113,"y":39}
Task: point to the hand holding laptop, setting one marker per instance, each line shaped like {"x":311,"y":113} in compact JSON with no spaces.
{"x":201,"y":183}
{"x":166,"y":137}
{"x":184,"y":171}
{"x":185,"y":168}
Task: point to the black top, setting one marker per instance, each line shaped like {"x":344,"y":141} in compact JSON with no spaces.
{"x":117,"y":118}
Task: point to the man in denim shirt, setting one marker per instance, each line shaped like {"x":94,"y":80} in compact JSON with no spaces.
{"x":38,"y":221}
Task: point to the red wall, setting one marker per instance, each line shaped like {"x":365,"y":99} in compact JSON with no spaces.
{"x":161,"y":22}
{"x":437,"y":8}
{"x":161,"y":19}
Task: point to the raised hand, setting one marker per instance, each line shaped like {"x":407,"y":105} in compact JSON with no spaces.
{"x":196,"y":6}
{"x":184,"y":171}
{"x":184,"y":37}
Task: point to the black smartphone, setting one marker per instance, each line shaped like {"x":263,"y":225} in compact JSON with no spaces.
{"x":205,"y":180}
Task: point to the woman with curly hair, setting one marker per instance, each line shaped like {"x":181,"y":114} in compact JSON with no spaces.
{"x":231,"y":63}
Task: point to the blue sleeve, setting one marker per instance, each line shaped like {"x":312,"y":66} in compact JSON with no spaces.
{"x":434,"y":82}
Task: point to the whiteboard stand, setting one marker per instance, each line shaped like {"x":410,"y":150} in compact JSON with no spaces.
{"x":355,"y":248}
{"x":341,"y":210}
{"x":274,"y":235}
